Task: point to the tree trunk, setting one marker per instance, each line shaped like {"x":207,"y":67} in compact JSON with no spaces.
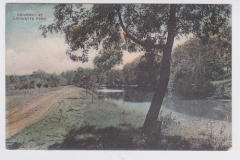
{"x":92,"y":94}
{"x":150,"y":128}
{"x":24,"y":92}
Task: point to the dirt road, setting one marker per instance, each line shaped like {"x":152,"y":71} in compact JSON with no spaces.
{"x":20,"y":117}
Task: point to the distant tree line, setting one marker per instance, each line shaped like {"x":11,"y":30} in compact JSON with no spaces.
{"x":37,"y":79}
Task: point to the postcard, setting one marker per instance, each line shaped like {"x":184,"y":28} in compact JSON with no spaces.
{"x":118,"y":76}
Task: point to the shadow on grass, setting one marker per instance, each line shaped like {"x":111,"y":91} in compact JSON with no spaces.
{"x":125,"y":138}
{"x":14,"y":146}
{"x":88,"y":137}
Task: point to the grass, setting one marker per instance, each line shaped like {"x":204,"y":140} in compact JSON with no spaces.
{"x":106,"y":113}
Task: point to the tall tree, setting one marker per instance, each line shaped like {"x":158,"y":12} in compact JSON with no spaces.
{"x":112,"y":28}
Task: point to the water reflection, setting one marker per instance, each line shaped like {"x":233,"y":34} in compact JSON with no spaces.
{"x":127,"y":95}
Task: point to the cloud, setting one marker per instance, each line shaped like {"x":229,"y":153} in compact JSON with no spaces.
{"x":47,"y":54}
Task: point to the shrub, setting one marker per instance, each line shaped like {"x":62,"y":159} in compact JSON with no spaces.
{"x":192,"y":83}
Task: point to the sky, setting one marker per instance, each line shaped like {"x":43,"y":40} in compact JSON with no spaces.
{"x":28,"y":51}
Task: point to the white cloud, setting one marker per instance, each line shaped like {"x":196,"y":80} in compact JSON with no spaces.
{"x":47,"y":54}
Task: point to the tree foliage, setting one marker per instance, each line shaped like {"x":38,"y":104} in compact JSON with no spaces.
{"x":196,"y":64}
{"x":143,"y":71}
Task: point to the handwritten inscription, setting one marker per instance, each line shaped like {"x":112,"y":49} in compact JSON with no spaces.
{"x":29,"y":16}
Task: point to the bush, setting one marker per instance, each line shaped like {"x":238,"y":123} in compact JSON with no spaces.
{"x":192,"y":83}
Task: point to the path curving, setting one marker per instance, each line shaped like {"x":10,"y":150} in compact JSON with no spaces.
{"x":20,"y":117}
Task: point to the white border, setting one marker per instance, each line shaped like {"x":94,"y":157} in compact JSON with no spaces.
{"x":123,"y":155}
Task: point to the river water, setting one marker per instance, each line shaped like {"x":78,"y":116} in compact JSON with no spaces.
{"x":198,"y":115}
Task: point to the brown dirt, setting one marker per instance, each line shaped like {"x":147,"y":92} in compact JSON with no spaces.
{"x":20,"y":117}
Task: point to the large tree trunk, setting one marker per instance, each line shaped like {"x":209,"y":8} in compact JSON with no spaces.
{"x":151,"y":127}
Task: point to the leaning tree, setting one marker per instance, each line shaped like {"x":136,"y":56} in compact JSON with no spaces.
{"x":150,"y":28}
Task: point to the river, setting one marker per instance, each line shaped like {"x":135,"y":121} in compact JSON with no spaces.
{"x":197,"y":115}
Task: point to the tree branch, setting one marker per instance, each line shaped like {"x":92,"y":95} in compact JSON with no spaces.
{"x":141,"y":43}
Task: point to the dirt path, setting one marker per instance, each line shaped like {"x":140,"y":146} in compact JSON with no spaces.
{"x":20,"y":117}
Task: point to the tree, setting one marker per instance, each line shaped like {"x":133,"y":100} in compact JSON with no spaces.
{"x":212,"y":58}
{"x":92,"y":84}
{"x":146,"y":71}
{"x":24,"y":83}
{"x":114,"y":78}
{"x":195,"y":65}
{"x":68,"y":76}
{"x":85,"y":78}
{"x":10,"y":81}
{"x":45,"y":85}
{"x":39,"y":85}
{"x":129,"y":72}
{"x":133,"y":27}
